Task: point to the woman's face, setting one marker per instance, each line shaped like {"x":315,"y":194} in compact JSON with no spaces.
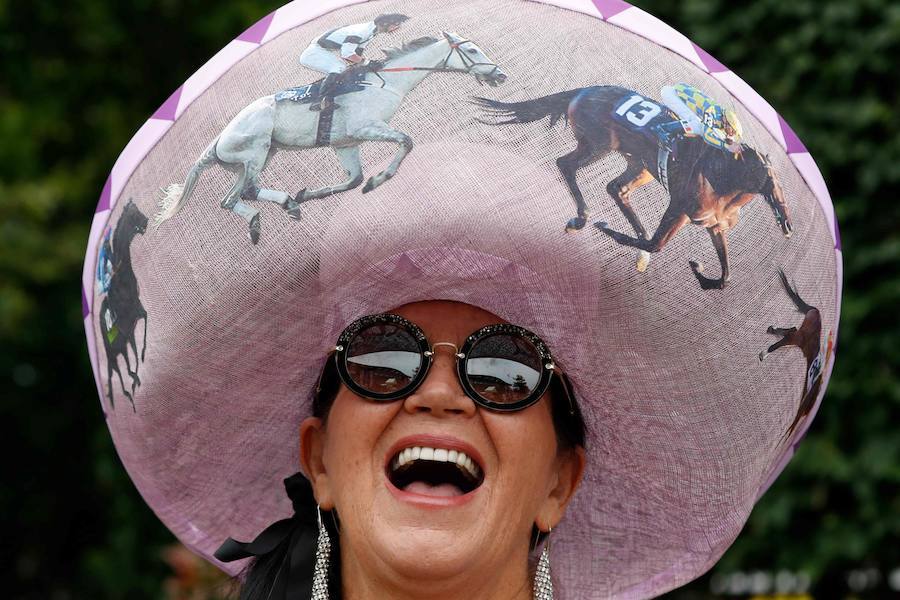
{"x":434,"y":530}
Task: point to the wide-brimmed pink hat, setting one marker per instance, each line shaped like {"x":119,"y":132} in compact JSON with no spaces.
{"x":575,"y":167}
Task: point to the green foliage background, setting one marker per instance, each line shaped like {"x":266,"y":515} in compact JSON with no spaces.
{"x":78,"y":78}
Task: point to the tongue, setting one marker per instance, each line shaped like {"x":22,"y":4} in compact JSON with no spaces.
{"x":442,"y":489}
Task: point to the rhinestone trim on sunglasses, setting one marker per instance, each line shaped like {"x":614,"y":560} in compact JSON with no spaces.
{"x":548,"y":367}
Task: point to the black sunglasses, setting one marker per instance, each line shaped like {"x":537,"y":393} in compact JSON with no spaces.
{"x":501,"y":367}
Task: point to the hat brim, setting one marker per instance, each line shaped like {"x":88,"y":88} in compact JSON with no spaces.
{"x":686,"y":426}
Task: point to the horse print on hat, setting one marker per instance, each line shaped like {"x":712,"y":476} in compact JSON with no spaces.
{"x":659,"y":142}
{"x":807,"y":338}
{"x":121,"y":308}
{"x":351,"y":106}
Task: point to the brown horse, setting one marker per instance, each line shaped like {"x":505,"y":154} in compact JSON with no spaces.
{"x":806,"y":337}
{"x":707,"y":186}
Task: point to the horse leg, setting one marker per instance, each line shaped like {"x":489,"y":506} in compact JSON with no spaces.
{"x":721,"y":245}
{"x":109,"y":372}
{"x":568,"y":165}
{"x":671,"y":223}
{"x":143,"y":315}
{"x":282,"y":199}
{"x":349,"y":157}
{"x":135,"y":380}
{"x":781,"y":330}
{"x":252,"y":191}
{"x":133,"y":343}
{"x":620,"y":188}
{"x":121,"y":381}
{"x":380,"y":132}
{"x":232,"y":202}
{"x":785,"y":341}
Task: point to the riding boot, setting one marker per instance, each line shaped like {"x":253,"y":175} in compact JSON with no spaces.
{"x":668,"y":133}
{"x":326,"y":89}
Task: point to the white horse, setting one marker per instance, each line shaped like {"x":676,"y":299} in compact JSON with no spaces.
{"x":267,"y":124}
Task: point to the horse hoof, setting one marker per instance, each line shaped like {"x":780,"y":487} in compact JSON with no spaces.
{"x":294,"y":213}
{"x":575,"y":223}
{"x":705,"y":282}
{"x":643,"y":260}
{"x":602,"y":226}
{"x":370,"y":185}
{"x":762,"y":355}
{"x":255,"y":229}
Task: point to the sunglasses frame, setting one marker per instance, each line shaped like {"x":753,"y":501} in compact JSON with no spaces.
{"x":427,"y":350}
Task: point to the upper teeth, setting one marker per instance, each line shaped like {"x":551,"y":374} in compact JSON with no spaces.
{"x":437,"y":455}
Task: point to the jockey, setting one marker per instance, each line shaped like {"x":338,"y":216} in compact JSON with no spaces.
{"x":699,"y":115}
{"x":334,"y":51}
{"x":104,"y":263}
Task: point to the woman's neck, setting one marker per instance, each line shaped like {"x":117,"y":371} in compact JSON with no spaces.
{"x":509,"y":582}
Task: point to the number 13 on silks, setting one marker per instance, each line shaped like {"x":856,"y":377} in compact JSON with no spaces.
{"x":638,"y":110}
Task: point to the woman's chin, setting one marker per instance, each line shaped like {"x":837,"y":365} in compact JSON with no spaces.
{"x":430,"y":554}
{"x":428,"y":530}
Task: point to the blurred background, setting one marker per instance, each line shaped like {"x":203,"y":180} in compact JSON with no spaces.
{"x":80,"y":77}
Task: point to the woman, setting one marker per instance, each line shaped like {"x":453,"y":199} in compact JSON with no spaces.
{"x":417,"y":517}
{"x":617,"y":435}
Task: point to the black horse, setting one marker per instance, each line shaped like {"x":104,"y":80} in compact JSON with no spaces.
{"x":121,"y":308}
{"x":707,"y":186}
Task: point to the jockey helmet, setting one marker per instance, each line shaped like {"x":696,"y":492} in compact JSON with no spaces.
{"x":733,"y":128}
{"x":386,"y":21}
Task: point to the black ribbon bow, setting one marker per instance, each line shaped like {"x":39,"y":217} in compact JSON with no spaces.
{"x":300,"y":532}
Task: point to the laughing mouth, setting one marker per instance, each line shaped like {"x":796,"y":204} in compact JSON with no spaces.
{"x":434,"y":471}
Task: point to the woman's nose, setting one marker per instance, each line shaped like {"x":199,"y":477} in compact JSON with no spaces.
{"x":441,"y":393}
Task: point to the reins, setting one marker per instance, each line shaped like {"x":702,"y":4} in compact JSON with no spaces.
{"x":454,"y":48}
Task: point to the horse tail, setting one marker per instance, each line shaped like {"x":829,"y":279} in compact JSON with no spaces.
{"x":802,"y":306}
{"x":175,"y":195}
{"x":555,"y":106}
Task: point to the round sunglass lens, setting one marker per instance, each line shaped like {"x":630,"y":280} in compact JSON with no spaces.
{"x":383,"y":358}
{"x":504,"y":368}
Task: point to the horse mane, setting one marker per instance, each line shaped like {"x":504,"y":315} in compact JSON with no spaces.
{"x":761,"y":169}
{"x":408,"y":47}
{"x":130,"y":215}
{"x":725,"y":174}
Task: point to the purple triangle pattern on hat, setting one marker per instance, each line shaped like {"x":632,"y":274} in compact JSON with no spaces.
{"x":166,"y":112}
{"x":256,"y":32}
{"x":709,"y":61}
{"x":792,"y":142}
{"x":85,"y":308}
{"x":103,"y":204}
{"x":610,"y":8}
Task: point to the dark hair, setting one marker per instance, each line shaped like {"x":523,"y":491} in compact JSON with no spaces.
{"x":260,"y":573}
